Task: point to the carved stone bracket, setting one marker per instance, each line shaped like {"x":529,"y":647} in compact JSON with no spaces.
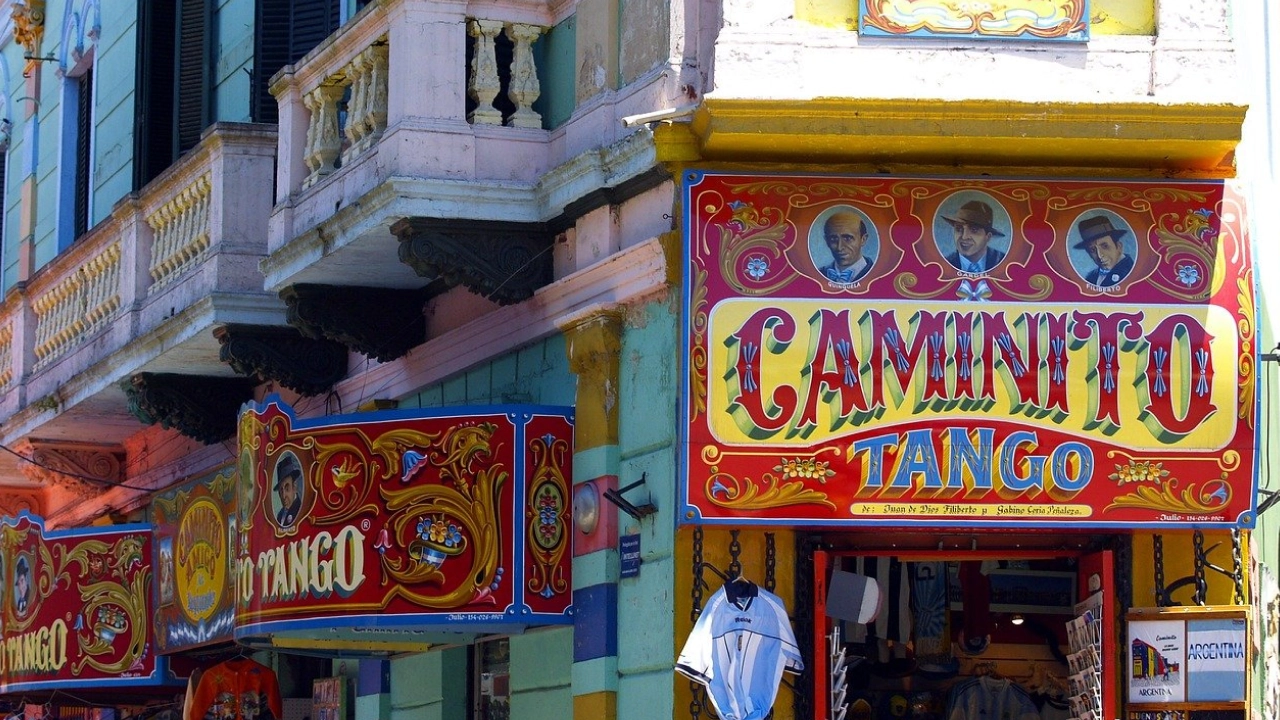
{"x":302,"y":364}
{"x":14,"y":500}
{"x":503,"y":261}
{"x":594,"y":348}
{"x":382,"y":323}
{"x":202,"y":408}
{"x":80,"y":468}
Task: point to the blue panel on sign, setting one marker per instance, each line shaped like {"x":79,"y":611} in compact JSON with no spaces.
{"x":629,"y":553}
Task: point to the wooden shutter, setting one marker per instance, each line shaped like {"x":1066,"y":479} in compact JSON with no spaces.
{"x":84,"y":135}
{"x":193,"y":86}
{"x":285,"y":31}
{"x":153,"y":92}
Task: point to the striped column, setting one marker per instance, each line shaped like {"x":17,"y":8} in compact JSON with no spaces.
{"x":593,"y":345}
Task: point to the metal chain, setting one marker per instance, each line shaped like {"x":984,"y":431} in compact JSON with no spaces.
{"x":1237,"y":567}
{"x":1198,"y":556}
{"x":695,"y":689}
{"x":1157,"y":549}
{"x":1124,"y":563}
{"x":770,"y":562}
{"x":735,"y":556}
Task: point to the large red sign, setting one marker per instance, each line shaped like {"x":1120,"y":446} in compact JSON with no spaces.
{"x":876,"y":351}
{"x":76,"y":606}
{"x":365,"y":525}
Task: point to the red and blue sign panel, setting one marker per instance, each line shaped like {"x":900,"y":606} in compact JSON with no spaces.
{"x":77,"y":607}
{"x":961,"y":352}
{"x":378,"y":526}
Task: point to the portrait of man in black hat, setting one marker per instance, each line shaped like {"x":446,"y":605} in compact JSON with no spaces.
{"x":1104,"y":242}
{"x":973,"y":228}
{"x":21,"y":585}
{"x":288,"y":489}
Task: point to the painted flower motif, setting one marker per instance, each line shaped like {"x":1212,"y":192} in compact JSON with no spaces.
{"x":453,"y":537}
{"x":804,"y":469}
{"x":423,"y":527}
{"x":438,"y":531}
{"x":1139,"y":471}
{"x":1188,"y":275}
{"x":757,"y":267}
{"x":744,"y":215}
{"x":384,"y":540}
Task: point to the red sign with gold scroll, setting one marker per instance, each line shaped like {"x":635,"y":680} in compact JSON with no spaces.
{"x":967,"y":352}
{"x":359,"y":531}
{"x":76,"y":607}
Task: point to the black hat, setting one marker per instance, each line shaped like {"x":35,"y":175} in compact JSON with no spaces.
{"x":22,"y":568}
{"x":1095,"y":228}
{"x":287,"y":467}
{"x":975,"y":212}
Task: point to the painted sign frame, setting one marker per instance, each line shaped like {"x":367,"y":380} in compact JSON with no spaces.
{"x":1189,"y":658}
{"x":451,"y":519}
{"x":86,"y":620}
{"x":779,"y":426}
{"x":1022,"y":20}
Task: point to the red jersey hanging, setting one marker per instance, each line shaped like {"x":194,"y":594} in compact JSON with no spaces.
{"x":238,"y":689}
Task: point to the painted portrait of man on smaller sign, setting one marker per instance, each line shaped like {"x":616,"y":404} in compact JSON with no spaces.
{"x":972,"y":231}
{"x":288,"y":487}
{"x":166,"y":570}
{"x":844,"y":245}
{"x":1103,"y":248}
{"x":22,"y":585}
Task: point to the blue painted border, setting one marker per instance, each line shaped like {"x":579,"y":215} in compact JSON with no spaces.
{"x":688,"y":514}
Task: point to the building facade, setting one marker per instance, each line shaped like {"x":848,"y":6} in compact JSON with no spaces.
{"x":388,"y":213}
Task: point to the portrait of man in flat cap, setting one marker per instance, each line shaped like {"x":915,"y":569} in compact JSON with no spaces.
{"x":972,"y":231}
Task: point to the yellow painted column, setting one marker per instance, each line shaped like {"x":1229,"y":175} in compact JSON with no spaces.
{"x":594,"y":345}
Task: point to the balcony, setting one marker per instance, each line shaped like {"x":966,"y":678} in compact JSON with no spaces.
{"x":419,"y":109}
{"x":141,"y":292}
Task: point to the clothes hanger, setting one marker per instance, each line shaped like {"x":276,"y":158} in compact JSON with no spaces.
{"x":738,"y":588}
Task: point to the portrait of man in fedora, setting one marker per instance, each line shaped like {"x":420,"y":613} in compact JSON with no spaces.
{"x":1104,"y":243}
{"x":288,"y":490}
{"x":973,"y":227}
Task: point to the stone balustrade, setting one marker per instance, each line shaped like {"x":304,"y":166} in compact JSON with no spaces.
{"x":77,"y":304}
{"x":191,"y":232}
{"x":338,"y":101}
{"x":181,"y":229}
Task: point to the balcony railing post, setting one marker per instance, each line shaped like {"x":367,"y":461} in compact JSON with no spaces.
{"x":524,"y":76}
{"x":324,"y":142}
{"x":424,"y":36}
{"x":291,"y":170}
{"x":484,"y":85}
{"x":136,"y":242}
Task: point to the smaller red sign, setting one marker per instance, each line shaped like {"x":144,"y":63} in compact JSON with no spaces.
{"x":77,"y":607}
{"x":378,"y":526}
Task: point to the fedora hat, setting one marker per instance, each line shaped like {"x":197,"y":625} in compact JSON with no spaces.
{"x":1097,"y":227}
{"x":287,"y":467}
{"x":975,"y":212}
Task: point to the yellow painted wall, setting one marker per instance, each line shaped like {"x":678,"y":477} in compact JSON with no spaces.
{"x":715,"y":550}
{"x":1179,"y":562}
{"x":1110,"y":17}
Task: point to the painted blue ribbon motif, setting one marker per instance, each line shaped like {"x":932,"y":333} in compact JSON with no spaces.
{"x":843,"y":348}
{"x":749,"y":377}
{"x":1202,"y":383}
{"x":1161,"y":356}
{"x":1108,"y":378}
{"x":970,"y":292}
{"x":1059,"y":375}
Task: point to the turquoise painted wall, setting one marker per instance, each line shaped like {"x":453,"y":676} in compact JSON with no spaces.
{"x":12,"y":88}
{"x":537,"y":373}
{"x":113,"y":114}
{"x":647,"y":435}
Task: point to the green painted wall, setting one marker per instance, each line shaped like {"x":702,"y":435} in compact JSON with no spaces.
{"x":554,"y":53}
{"x":113,"y":113}
{"x":537,"y":373}
{"x":233,"y":59}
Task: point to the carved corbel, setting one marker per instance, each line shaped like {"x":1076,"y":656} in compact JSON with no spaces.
{"x":15,"y":500}
{"x":383,"y":323}
{"x":82,"y":469}
{"x":200,"y":407}
{"x":505,"y":262}
{"x":305,"y":365}
{"x":28,"y":30}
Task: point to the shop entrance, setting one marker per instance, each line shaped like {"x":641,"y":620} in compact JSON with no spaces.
{"x":951,"y":632}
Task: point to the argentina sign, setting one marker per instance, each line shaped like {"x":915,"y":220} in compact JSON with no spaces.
{"x":961,"y":352}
